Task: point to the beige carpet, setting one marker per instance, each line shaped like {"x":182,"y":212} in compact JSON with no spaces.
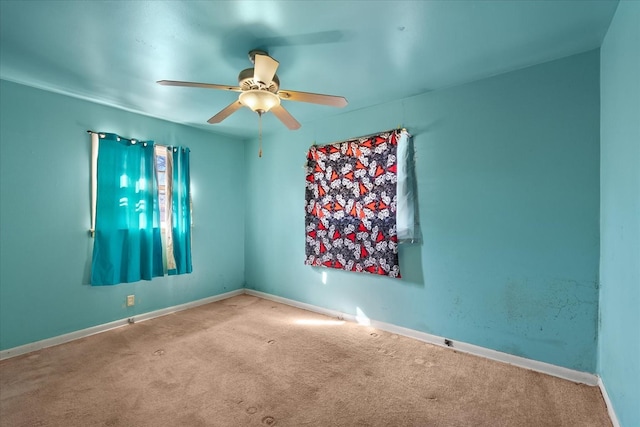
{"x":246,"y":361}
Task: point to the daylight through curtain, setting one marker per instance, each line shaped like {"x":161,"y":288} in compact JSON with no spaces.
{"x":127,"y":246}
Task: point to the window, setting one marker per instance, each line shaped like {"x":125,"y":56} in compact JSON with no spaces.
{"x":142,"y":210}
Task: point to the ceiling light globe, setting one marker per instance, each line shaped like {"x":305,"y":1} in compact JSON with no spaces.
{"x":258,"y":100}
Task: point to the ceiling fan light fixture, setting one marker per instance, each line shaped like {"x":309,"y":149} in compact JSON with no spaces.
{"x":258,"y":100}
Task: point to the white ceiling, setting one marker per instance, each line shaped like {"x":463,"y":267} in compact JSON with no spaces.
{"x":371,"y":52}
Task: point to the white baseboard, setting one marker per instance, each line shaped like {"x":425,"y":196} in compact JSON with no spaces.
{"x":61,"y":339}
{"x":534,"y":365}
{"x":607,"y":401}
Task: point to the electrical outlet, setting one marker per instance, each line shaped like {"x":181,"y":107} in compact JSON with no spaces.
{"x":131,"y":300}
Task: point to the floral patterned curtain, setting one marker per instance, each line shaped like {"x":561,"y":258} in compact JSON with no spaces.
{"x":351,"y":202}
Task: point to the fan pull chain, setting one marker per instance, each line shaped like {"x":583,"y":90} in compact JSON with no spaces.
{"x":259,"y":134}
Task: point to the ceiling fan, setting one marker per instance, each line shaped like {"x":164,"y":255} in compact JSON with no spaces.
{"x":259,"y":89}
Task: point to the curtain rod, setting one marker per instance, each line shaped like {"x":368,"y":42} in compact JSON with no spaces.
{"x":134,"y":141}
{"x":102,"y":135}
{"x":367,"y":136}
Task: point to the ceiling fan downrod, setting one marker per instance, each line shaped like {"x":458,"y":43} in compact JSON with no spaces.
{"x":259,"y":134}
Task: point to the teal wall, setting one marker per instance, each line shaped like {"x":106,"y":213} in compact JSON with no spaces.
{"x":619,"y":337}
{"x":508,"y":189}
{"x":45,"y":216}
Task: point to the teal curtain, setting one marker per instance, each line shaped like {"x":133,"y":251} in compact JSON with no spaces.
{"x":181,"y":211}
{"x":127,"y":245}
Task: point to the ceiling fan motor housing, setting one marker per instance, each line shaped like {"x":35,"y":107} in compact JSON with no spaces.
{"x":247,"y":82}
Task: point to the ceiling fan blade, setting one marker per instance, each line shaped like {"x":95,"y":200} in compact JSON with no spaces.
{"x":265,"y":68}
{"x":285,"y":117}
{"x":226,"y":112}
{"x":314,"y":98}
{"x":202,"y":85}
